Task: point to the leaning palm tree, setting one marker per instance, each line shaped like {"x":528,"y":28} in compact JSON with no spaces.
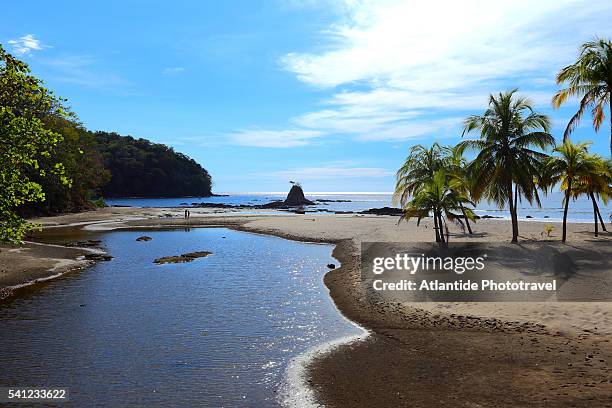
{"x":566,"y":168}
{"x":589,"y":78}
{"x":419,"y":167}
{"x":594,"y":181}
{"x":509,"y":131}
{"x":440,"y":197}
{"x":457,"y":171}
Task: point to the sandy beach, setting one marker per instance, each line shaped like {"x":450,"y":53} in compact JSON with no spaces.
{"x":485,"y":354}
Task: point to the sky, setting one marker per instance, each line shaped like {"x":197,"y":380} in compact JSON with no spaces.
{"x":328,"y":93}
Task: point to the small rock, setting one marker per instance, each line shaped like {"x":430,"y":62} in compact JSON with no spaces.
{"x":331,"y":266}
{"x":144,"y":238}
{"x":98,"y":257}
{"x":188,"y":257}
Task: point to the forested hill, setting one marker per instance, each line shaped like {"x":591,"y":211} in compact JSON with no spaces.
{"x":140,"y":168}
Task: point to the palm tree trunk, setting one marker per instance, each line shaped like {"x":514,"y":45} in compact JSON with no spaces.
{"x":601,"y":221}
{"x":594,"y":213}
{"x":567,"y":198}
{"x":435,"y":217}
{"x":467,"y":221}
{"x":516,"y":198}
{"x":610,"y":123}
{"x":513,"y":216}
{"x":441,"y":224}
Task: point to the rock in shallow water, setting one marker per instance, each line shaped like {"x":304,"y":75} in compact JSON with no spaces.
{"x":144,"y":238}
{"x":188,"y":257}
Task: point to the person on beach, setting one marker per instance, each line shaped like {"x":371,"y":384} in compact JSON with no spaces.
{"x":186,"y":214}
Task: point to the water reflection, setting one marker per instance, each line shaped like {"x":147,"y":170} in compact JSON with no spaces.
{"x":217,"y":331}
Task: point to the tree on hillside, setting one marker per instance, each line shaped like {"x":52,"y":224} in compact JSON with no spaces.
{"x":24,"y":139}
{"x":140,"y":168}
{"x":509,"y":131}
{"x":589,"y":78}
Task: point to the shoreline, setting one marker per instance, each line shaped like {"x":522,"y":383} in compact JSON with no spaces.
{"x":394,"y":326}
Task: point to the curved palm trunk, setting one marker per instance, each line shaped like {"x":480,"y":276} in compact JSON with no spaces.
{"x":601,"y":221}
{"x":467,"y":221}
{"x":610,"y":125}
{"x":513,"y":216}
{"x":567,"y":198}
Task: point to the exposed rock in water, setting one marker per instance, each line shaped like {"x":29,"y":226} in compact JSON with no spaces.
{"x":485,"y":217}
{"x":88,"y":243}
{"x":529,"y":216}
{"x":144,"y":238}
{"x":188,"y":257}
{"x":98,"y":257}
{"x":296,"y":197}
{"x":384,"y":211}
{"x":331,"y":266}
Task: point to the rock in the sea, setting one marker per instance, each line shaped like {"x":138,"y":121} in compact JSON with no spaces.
{"x":144,"y":238}
{"x":88,"y":243}
{"x":528,"y":216}
{"x":331,"y":266}
{"x":98,"y":257}
{"x":296,"y":197}
{"x":188,"y":257}
{"x":384,"y":211}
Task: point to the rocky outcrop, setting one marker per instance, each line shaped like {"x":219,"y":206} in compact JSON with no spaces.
{"x":384,"y":211}
{"x":296,"y":197}
{"x":188,"y":257}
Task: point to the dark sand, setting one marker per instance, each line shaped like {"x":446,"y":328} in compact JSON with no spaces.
{"x":467,"y":355}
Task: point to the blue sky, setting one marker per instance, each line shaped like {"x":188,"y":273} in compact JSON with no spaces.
{"x":330,"y":93}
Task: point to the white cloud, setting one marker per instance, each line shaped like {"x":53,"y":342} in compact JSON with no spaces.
{"x":328,"y":172}
{"x":393,"y":65}
{"x":26,"y":44}
{"x":173,"y":70}
{"x":274,"y":138}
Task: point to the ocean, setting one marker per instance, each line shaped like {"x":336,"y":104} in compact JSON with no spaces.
{"x":580,"y":210}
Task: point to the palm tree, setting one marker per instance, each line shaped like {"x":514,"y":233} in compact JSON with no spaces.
{"x":589,"y":78}
{"x":509,"y":130}
{"x":594,"y":182}
{"x":417,"y":170}
{"x":566,"y":168}
{"x":457,"y":168}
{"x":441,"y":197}
{"x":419,"y":167}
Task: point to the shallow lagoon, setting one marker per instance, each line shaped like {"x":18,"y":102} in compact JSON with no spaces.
{"x":218,"y":331}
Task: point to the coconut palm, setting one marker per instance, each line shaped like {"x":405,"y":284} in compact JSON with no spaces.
{"x":509,"y":131}
{"x":572,"y":162}
{"x":456,"y":165}
{"x":589,"y":78}
{"x":419,"y":167}
{"x":439,"y":196}
{"x":594,"y":182}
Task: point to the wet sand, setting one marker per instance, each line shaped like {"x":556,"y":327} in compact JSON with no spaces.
{"x":434,"y":354}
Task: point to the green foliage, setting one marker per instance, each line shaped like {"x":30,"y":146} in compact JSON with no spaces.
{"x":548,"y":229}
{"x":78,"y":152}
{"x":509,"y":131}
{"x":590,"y":79}
{"x":25,"y":142}
{"x":432,"y":181}
{"x":140,"y":168}
{"x":571,"y":164}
